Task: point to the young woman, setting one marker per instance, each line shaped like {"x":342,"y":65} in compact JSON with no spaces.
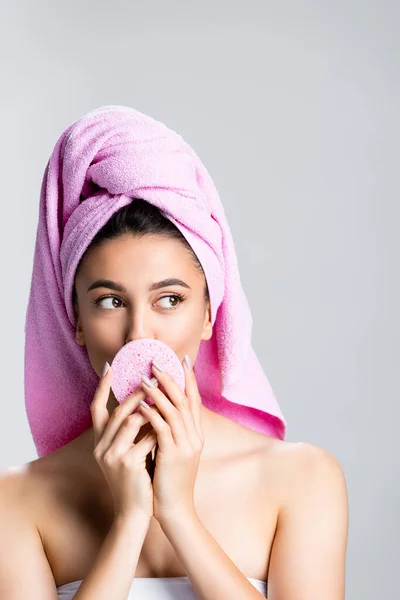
{"x":220,"y":511}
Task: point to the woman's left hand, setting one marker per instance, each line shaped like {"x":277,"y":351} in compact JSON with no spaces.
{"x":180,"y":443}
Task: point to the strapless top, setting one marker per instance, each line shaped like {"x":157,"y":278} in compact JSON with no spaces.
{"x":156,"y":588}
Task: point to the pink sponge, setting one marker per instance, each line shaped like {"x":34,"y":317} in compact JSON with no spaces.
{"x":134,"y":360}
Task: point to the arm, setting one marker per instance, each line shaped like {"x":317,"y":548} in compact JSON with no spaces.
{"x":211,"y":572}
{"x":309,"y":550}
{"x":114,"y":569}
{"x":25,"y":571}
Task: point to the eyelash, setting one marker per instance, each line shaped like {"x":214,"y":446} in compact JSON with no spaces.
{"x":179,"y":296}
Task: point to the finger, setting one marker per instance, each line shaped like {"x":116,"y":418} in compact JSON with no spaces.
{"x":174,"y":396}
{"x":119,"y":414}
{"x":98,"y":406}
{"x":166,"y":440}
{"x":131,"y":402}
{"x":126,"y":435}
{"x":180,"y":401}
{"x":168,"y":413}
{"x":194,"y":397}
{"x":144,"y":448}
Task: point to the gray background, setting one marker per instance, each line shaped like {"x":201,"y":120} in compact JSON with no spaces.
{"x":293,"y":108}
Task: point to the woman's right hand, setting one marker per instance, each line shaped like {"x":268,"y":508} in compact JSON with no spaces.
{"x":123,"y":462}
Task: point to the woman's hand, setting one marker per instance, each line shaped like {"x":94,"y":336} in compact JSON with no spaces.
{"x":123,"y":460}
{"x":180,"y":442}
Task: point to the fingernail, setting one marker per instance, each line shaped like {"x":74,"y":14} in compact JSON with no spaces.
{"x":144,"y":404}
{"x":105,"y":369}
{"x":147,"y":381}
{"x":158,"y":367}
{"x":188,"y":361}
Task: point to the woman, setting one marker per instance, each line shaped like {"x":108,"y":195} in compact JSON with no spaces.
{"x":224,"y":508}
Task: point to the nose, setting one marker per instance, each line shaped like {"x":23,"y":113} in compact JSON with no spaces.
{"x":138,"y":326}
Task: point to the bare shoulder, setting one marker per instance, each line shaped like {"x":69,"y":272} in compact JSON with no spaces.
{"x":19,"y":489}
{"x":302,"y":458}
{"x":26,"y":490}
{"x":309,"y":461}
{"x":318,"y":478}
{"x":308,"y":554}
{"x":300,"y":466}
{"x":13,"y":482}
{"x":24,"y":568}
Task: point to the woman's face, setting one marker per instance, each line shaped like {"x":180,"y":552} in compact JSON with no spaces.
{"x":107,"y":318}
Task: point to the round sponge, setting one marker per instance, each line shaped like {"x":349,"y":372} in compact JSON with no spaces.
{"x":134,"y":360}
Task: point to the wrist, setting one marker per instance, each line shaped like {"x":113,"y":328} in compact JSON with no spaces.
{"x":133,"y":521}
{"x":177,"y":517}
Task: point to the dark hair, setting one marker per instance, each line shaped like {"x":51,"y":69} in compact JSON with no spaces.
{"x":139,"y":218}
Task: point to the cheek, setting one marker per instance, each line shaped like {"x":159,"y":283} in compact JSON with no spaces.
{"x":100,"y":336}
{"x":183,"y":335}
{"x":188,"y":325}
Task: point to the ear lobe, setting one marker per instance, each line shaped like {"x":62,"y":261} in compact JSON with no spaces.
{"x":207,"y":327}
{"x":207,"y":331}
{"x":79,"y":337}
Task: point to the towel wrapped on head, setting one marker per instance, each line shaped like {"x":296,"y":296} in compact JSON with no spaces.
{"x":101,"y":163}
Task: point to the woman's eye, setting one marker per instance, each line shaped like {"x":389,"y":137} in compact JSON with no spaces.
{"x":110,"y":299}
{"x":176,"y":299}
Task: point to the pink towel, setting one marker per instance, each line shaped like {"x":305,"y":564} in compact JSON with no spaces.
{"x":102,"y":162}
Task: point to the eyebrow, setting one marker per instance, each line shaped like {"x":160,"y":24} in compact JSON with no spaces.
{"x":118,"y":287}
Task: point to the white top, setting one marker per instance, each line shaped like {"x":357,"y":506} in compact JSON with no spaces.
{"x":156,"y":588}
